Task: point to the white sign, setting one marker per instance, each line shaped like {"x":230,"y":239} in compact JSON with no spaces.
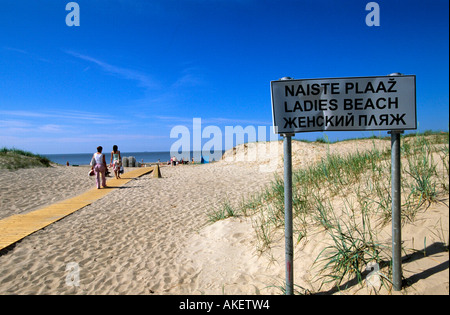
{"x":344,"y":104}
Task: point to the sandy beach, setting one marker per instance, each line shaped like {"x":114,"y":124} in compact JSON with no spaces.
{"x":153,"y":236}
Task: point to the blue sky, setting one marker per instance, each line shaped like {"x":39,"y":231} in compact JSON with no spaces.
{"x":133,"y":70}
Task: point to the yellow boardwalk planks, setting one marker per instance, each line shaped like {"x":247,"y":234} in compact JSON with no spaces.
{"x":16,"y":227}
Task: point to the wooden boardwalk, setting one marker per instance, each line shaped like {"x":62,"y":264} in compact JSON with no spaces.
{"x":16,"y":227}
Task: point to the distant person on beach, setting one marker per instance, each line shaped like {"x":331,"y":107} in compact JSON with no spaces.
{"x":98,"y":164}
{"x":116,"y":160}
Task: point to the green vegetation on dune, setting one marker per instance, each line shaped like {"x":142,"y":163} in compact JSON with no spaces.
{"x":14,"y":159}
{"x":348,"y":197}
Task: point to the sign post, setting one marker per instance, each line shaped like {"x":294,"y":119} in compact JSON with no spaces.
{"x":288,"y":237}
{"x":396,"y":211}
{"x":344,"y":104}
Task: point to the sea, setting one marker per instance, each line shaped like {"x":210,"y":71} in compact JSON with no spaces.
{"x":143,"y":157}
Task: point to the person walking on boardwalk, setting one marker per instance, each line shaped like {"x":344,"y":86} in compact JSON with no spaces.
{"x":116,"y":161}
{"x":98,"y":164}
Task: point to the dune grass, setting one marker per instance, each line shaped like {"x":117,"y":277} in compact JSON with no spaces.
{"x":361,"y":182}
{"x":14,"y":159}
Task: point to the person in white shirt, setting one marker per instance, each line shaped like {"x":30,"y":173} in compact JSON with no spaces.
{"x":98,"y":164}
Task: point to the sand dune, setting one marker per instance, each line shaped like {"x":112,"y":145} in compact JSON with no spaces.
{"x":152,"y":236}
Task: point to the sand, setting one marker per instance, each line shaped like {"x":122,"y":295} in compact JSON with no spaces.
{"x":152,"y":236}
